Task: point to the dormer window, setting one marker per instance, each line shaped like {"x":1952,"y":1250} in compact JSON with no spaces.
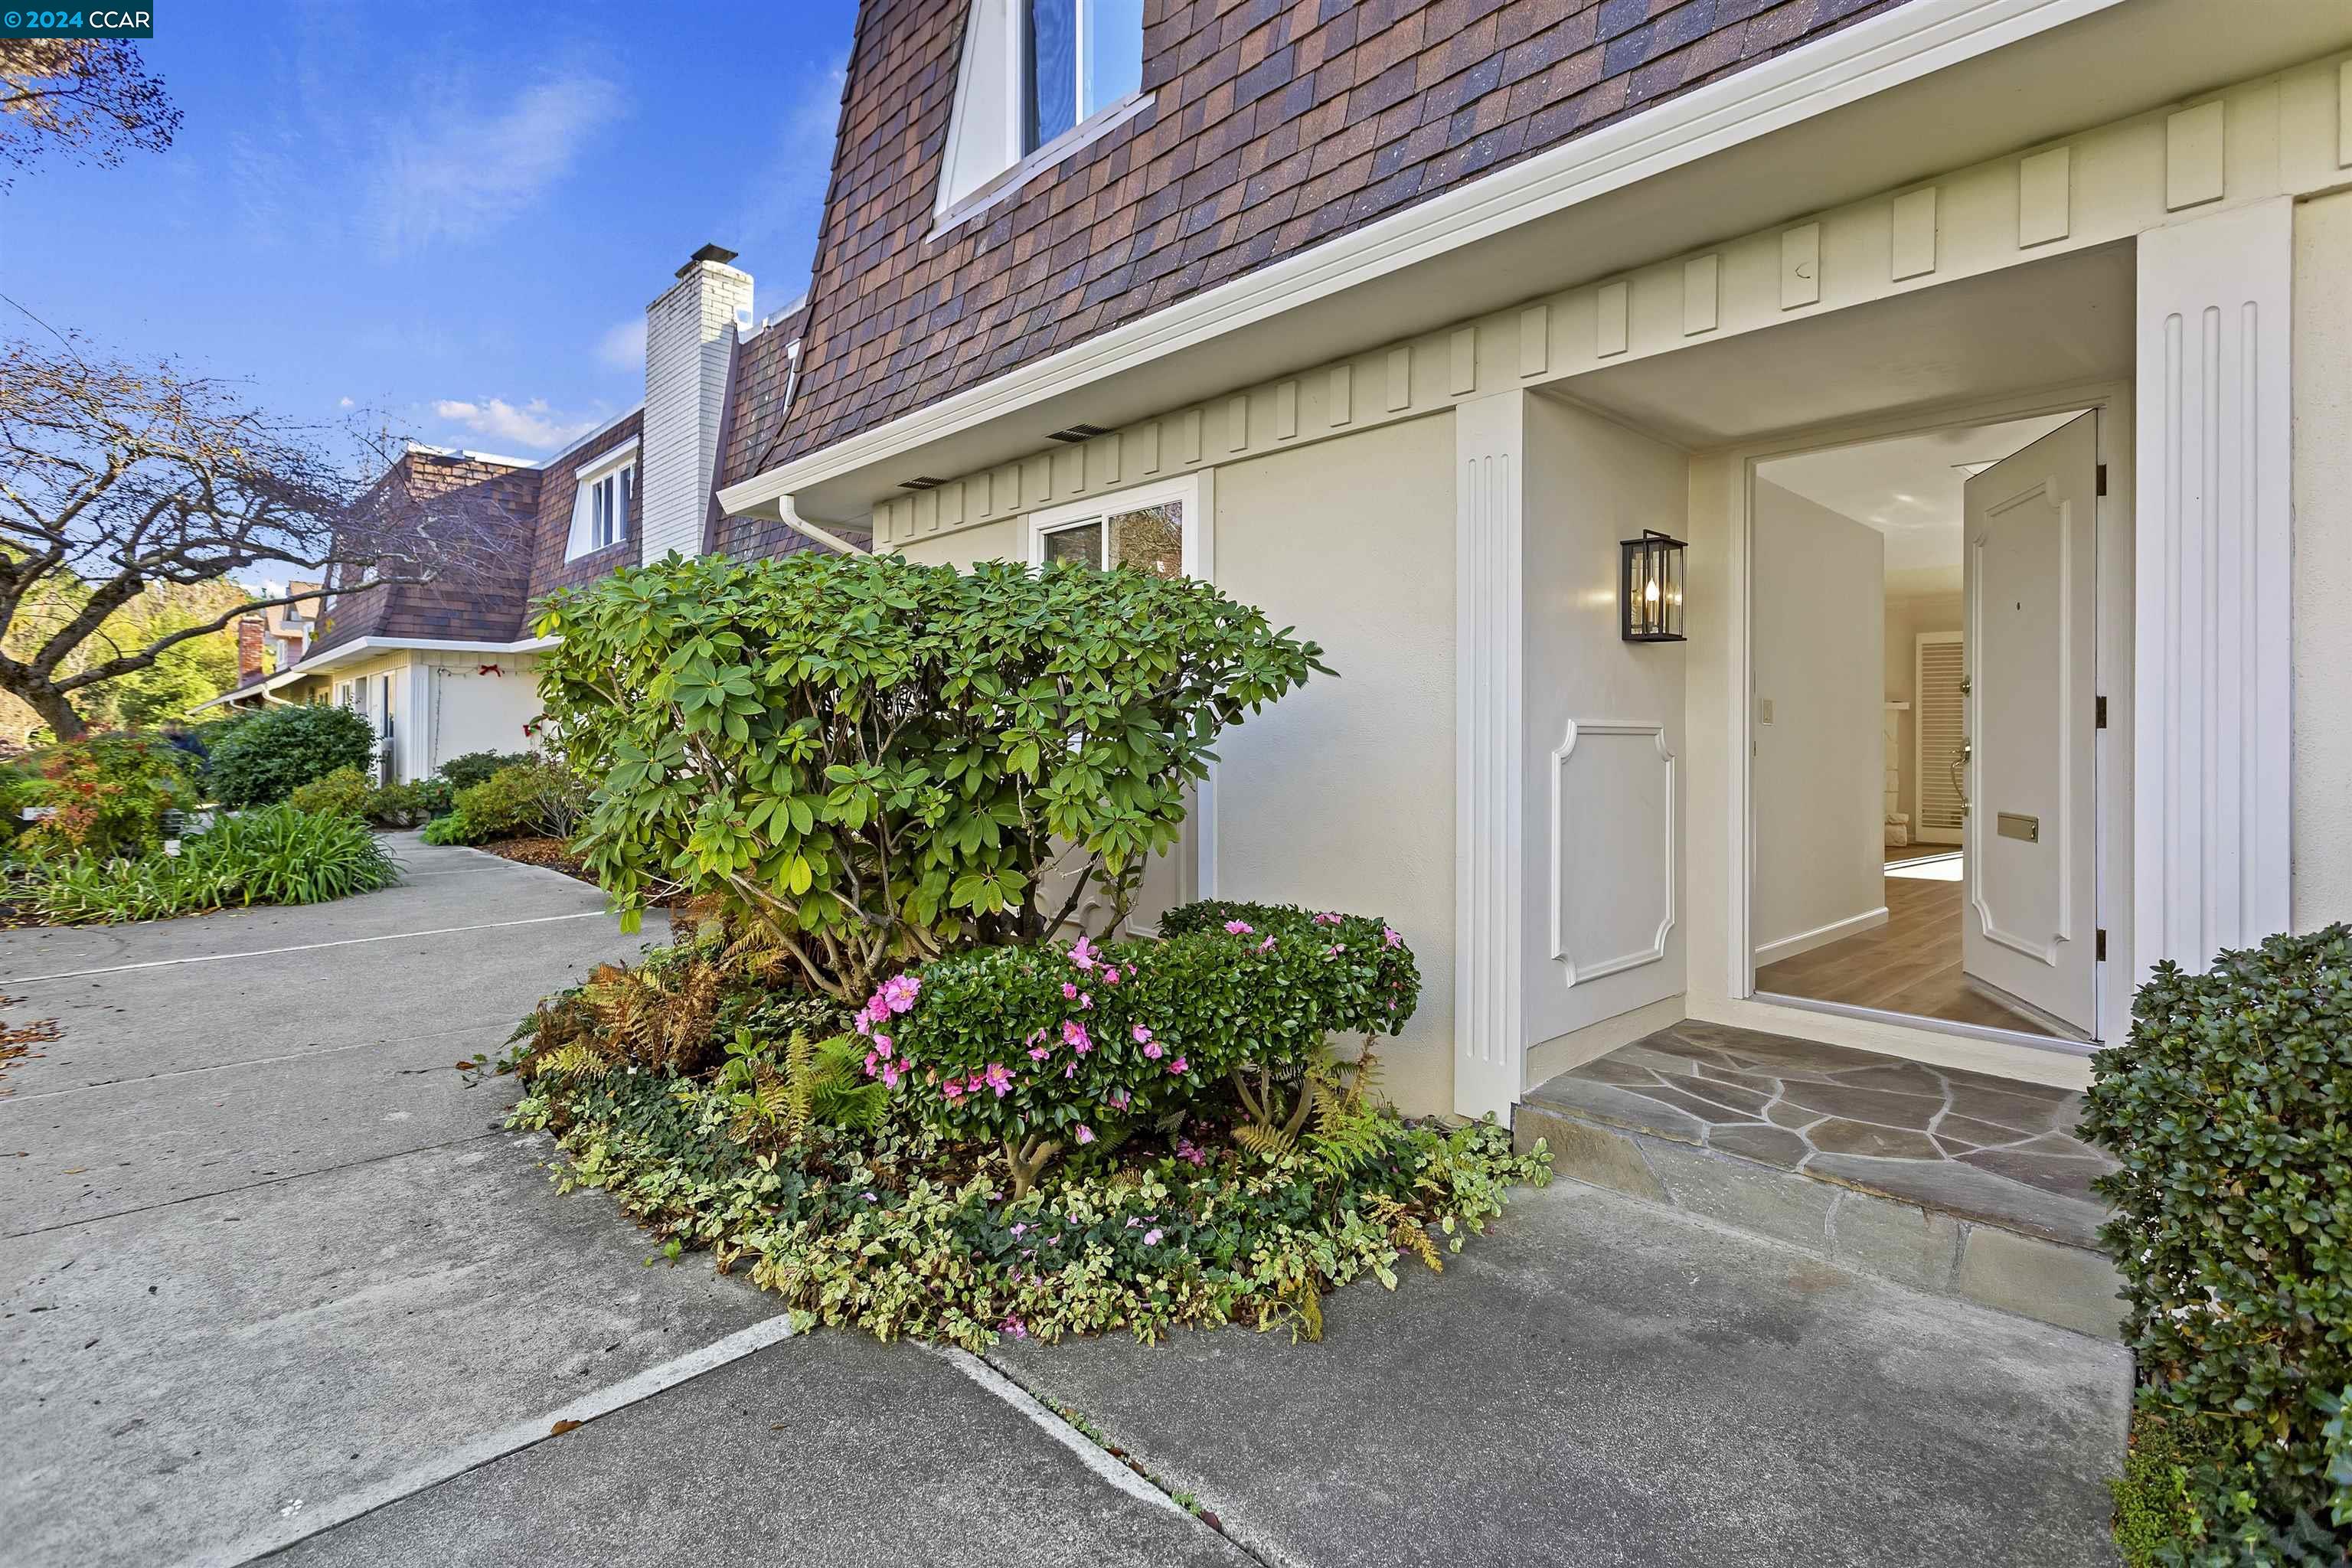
{"x":604,"y":508}
{"x":1038,"y":76}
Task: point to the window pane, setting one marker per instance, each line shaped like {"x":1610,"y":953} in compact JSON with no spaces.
{"x":628,"y":501}
{"x":1151,"y":540}
{"x":1110,"y":67}
{"x":1082,"y":544}
{"x":1052,"y":71}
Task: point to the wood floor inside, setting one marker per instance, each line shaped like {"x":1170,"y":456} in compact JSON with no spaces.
{"x":1910,"y":964}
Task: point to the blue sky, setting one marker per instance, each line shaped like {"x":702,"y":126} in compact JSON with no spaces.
{"x":451,"y":214}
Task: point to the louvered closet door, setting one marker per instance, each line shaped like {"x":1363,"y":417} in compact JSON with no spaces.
{"x":1941,"y":730}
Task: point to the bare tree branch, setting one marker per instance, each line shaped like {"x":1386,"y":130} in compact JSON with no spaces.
{"x":116,"y":477}
{"x":89,"y":98}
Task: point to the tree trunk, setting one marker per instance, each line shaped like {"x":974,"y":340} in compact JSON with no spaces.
{"x":57,"y":712}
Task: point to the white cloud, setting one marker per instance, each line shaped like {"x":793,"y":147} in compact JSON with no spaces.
{"x":534,"y":425}
{"x":456,"y":171}
{"x":623,"y":346}
{"x":342,"y":403}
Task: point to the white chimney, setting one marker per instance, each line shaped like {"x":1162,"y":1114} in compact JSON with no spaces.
{"x":689,"y":333}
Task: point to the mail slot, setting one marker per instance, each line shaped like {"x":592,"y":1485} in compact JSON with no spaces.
{"x":2010,"y":825}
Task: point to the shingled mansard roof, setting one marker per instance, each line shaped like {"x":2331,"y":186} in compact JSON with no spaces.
{"x":1271,"y":126}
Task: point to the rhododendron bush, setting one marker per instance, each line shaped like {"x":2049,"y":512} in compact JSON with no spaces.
{"x":1047,"y":1049}
{"x":883,"y":763}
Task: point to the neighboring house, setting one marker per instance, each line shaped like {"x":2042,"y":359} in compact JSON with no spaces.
{"x":1395,"y":318}
{"x":442,"y":668}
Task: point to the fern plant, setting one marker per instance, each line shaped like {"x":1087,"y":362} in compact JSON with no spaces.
{"x":812,"y":1082}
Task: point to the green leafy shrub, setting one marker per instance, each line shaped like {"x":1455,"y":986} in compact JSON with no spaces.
{"x":107,"y":795}
{"x":540,"y":797}
{"x":877,"y":758}
{"x":1046,"y":1050}
{"x":476,"y":767}
{"x":345,"y":790}
{"x":20,"y":787}
{"x":889,"y":1232}
{"x":272,"y":855}
{"x":408,"y":804}
{"x":2229,"y":1111}
{"x":262,"y":759}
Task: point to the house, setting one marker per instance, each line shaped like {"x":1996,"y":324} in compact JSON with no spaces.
{"x":448,"y":666}
{"x":1970,"y":378}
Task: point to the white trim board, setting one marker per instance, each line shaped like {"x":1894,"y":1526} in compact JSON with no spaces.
{"x":1828,"y":72}
{"x":1819,"y":936}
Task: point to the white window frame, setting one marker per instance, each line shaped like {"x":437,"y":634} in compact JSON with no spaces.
{"x":1195,"y":490}
{"x":1198,"y":491}
{"x":581,"y":538}
{"x":986,"y":161}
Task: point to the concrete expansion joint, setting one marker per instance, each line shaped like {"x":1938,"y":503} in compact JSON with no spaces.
{"x":1116,"y":1463}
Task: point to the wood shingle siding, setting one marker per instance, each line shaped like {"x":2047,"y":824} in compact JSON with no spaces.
{"x":1274,"y":125}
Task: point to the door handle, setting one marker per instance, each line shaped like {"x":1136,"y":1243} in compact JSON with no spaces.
{"x":1958,"y":766}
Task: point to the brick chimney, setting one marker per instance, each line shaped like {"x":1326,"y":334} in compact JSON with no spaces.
{"x":689,"y":335}
{"x":250,"y":632}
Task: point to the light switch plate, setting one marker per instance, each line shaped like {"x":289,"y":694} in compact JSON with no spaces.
{"x":1763,"y":710}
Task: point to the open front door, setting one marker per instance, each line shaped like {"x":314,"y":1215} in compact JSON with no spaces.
{"x":2029,"y":574}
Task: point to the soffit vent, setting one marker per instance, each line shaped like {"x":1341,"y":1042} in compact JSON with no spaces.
{"x":1080,"y":432}
{"x":920,"y":482}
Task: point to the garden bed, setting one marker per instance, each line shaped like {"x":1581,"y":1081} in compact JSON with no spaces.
{"x":888,"y":1196}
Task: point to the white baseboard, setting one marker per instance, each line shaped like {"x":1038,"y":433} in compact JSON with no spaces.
{"x":1819,"y":936}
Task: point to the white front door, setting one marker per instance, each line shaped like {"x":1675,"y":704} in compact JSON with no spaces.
{"x":2029,"y":574}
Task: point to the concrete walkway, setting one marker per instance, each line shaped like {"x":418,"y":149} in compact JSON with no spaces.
{"x":273,"y":1283}
{"x":268,"y":1263}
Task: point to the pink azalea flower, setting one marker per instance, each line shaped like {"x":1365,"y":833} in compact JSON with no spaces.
{"x":1119,"y":1100}
{"x":1152,"y":1236}
{"x":865,"y":1026}
{"x":952,"y":1090}
{"x":1086,"y":1134}
{"x":1038,"y":1053}
{"x":1329,"y":918}
{"x":872,"y":1064}
{"x":897,"y":993}
{"x":1391,"y":937}
{"x":1075,"y":1036}
{"x":999,"y":1079}
{"x":1152,"y":1049}
{"x":1071,"y":1070}
{"x":1083,"y":953}
{"x":891,"y":1075}
{"x":1069,"y":990}
{"x":1020,"y":1230}
{"x":1266,"y":946}
{"x":881,"y":1044}
{"x":1016,"y":1328}
{"x":1238,"y":927}
{"x":1085,"y":999}
{"x":1110,"y":976}
{"x":1142,"y":1035}
{"x":1176,"y":1065}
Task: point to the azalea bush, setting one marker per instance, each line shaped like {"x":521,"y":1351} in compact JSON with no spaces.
{"x":2229,"y":1111}
{"x":885,"y":762}
{"x":1043,"y":1049}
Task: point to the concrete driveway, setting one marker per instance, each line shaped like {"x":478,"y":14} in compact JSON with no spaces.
{"x":273,"y":1283}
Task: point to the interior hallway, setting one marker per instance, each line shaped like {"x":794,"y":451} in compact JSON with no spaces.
{"x":1910,"y":964}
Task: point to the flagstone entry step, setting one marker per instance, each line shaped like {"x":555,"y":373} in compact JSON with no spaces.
{"x":1953,"y":1182}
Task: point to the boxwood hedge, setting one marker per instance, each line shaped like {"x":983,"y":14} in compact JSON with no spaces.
{"x":2230,"y":1110}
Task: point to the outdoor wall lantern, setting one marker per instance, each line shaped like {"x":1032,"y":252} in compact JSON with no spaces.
{"x":1650,"y":589}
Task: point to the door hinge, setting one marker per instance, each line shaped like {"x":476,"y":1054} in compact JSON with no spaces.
{"x":2102,"y":953}
{"x":2103,"y":478}
{"x":2101,"y":721}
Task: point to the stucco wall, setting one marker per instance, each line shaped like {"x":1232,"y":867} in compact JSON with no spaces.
{"x":1818,"y":596}
{"x":1591,"y":483}
{"x":1341,"y":794}
{"x":2323,"y":563}
{"x":998,"y":540}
